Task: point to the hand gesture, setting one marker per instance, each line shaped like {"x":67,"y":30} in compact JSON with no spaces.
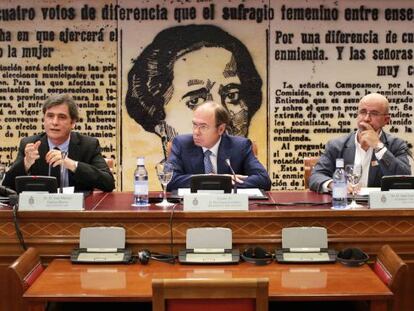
{"x":368,"y":137}
{"x":54,"y":157}
{"x":239,"y":178}
{"x":31,"y":154}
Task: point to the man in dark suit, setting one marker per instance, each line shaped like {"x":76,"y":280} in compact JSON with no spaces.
{"x":206,"y":151}
{"x":80,"y":155}
{"x":379,"y":153}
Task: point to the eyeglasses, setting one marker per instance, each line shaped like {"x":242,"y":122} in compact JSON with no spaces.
{"x":372,"y":114}
{"x":201,"y":127}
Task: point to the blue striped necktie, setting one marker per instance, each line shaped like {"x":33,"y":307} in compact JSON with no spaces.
{"x":208,"y":166}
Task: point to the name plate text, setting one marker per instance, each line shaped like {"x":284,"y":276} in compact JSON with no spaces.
{"x":216,"y":202}
{"x":392,"y":199}
{"x":29,"y":201}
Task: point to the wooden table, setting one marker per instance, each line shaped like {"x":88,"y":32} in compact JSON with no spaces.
{"x":63,"y":281}
{"x":55,"y":234}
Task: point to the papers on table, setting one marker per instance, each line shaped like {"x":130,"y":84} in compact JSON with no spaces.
{"x":253,"y":193}
{"x":365,"y":191}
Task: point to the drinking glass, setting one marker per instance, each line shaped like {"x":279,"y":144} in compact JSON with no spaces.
{"x":353,"y":175}
{"x":164,"y":171}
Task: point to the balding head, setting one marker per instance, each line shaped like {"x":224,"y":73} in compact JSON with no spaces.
{"x":377,"y":99}
{"x":373,"y":112}
{"x":221,"y":115}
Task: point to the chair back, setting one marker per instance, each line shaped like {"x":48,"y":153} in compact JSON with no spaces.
{"x":22,"y":273}
{"x":254,"y":148}
{"x":245,"y":294}
{"x":309,"y":163}
{"x":392,"y":270}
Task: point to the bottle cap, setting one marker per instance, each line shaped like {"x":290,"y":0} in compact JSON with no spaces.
{"x":140,"y":161}
{"x":340,"y":163}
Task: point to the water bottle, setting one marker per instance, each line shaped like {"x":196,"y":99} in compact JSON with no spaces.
{"x":140,"y":183}
{"x":340,"y":187}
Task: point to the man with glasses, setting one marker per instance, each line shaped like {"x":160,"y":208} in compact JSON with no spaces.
{"x":208,"y":148}
{"x":379,"y":153}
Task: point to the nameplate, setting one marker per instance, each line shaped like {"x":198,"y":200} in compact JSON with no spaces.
{"x":216,"y":202}
{"x":30,"y":201}
{"x":391,"y":199}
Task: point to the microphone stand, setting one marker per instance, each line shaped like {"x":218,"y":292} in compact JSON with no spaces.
{"x":62,"y":171}
{"x":234,"y":176}
{"x":163,"y":143}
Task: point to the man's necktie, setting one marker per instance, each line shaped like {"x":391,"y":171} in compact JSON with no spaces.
{"x":55,"y":171}
{"x":208,"y":166}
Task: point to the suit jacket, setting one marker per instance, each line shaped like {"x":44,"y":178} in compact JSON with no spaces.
{"x":92,"y":171}
{"x":188,"y":159}
{"x":393,"y":162}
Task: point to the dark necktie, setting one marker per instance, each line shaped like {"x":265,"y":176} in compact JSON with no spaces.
{"x":55,"y":171}
{"x":208,"y":166}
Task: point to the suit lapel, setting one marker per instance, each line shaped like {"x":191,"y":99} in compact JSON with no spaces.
{"x":375,"y":171}
{"x":349,"y":150}
{"x":224,"y":152}
{"x":74,"y":147}
{"x":196,"y":159}
{"x":73,"y":153}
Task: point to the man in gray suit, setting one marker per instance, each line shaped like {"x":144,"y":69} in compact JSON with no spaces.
{"x":379,"y":153}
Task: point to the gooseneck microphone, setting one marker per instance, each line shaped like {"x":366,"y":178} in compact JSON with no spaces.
{"x":164,"y":141}
{"x":234,"y":175}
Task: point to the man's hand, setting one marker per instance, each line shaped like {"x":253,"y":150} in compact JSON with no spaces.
{"x":367,"y":137}
{"x":31,"y":154}
{"x":54,"y":157}
{"x":239,"y":178}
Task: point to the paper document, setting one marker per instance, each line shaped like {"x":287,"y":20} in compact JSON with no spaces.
{"x":366,"y":190}
{"x":251,"y":192}
{"x":225,"y":257}
{"x":92,"y":257}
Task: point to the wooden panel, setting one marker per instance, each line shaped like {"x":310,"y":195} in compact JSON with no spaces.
{"x":55,"y":234}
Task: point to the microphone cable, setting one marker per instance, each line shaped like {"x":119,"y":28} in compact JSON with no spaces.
{"x":167,"y":258}
{"x":17,"y":225}
{"x":173,"y":258}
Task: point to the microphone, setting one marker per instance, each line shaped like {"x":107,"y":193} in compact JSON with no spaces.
{"x":164,"y":142}
{"x":234,"y":175}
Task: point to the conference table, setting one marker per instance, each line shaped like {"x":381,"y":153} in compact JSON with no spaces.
{"x":56,"y":233}
{"x":64,"y":281}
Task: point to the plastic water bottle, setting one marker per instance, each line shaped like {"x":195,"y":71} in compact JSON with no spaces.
{"x":140,"y":183}
{"x":340,"y":187}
